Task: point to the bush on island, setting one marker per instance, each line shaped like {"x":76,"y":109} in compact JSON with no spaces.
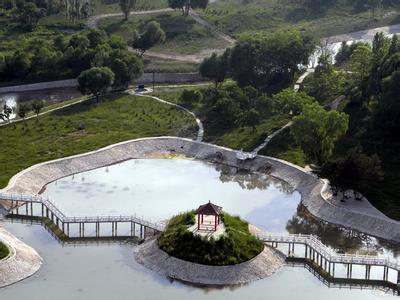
{"x":3,"y":251}
{"x":237,"y":245}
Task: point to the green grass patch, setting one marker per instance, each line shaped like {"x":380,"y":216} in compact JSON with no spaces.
{"x":183,"y":34}
{"x":4,"y":251}
{"x":236,"y":246}
{"x":236,"y":17}
{"x":88,"y":126}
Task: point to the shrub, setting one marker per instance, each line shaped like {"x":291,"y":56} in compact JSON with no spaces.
{"x":236,"y":246}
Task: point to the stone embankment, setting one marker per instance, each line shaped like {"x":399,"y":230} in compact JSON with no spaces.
{"x":263,"y":265}
{"x":22,"y":262}
{"x":147,"y":78}
{"x":310,"y":186}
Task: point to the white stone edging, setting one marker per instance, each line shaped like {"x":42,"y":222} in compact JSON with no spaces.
{"x":309,"y":185}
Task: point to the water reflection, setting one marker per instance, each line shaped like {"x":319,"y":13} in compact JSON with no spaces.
{"x":49,"y":96}
{"x":156,"y":189}
{"x":340,"y":239}
{"x":251,"y":181}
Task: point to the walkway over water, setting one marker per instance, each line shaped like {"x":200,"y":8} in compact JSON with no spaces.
{"x":29,"y":206}
{"x":325,"y":259}
{"x":310,"y":250}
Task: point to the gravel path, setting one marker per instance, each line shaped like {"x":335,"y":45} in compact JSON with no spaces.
{"x":263,"y":265}
{"x":191,"y":58}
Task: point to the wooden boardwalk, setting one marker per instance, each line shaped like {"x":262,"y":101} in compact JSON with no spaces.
{"x":326,"y":259}
{"x":312,"y":251}
{"x":29,"y":206}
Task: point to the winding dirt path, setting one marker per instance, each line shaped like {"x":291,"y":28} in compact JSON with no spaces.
{"x":93,"y":22}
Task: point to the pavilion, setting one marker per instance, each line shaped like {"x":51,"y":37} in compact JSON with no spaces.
{"x":205,"y":210}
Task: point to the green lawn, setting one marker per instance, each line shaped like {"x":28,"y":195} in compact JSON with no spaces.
{"x":183,"y":34}
{"x":168,"y":66}
{"x":88,"y":126}
{"x":3,"y":251}
{"x":237,"y":16}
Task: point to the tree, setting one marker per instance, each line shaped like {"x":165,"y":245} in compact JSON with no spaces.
{"x":126,"y":7}
{"x":96,"y":81}
{"x":29,"y":14}
{"x":356,"y":171}
{"x":215,"y":67}
{"x":186,"y":5}
{"x":249,"y":118}
{"x":23,"y":110}
{"x":19,"y":64}
{"x":325,"y":84}
{"x":37,"y":106}
{"x":189,"y":97}
{"x":360,"y":61}
{"x":317,"y":130}
{"x":291,"y":102}
{"x":152,"y":35}
{"x":270,"y":61}
{"x":6,"y":113}
{"x":126,"y":67}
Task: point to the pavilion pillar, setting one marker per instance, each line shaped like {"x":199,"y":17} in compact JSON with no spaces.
{"x":198,"y":222}
{"x":215,"y":223}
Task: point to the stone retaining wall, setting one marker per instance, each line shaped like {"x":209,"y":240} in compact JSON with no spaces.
{"x":147,"y":78}
{"x":263,"y":265}
{"x":22,"y":262}
{"x":34,"y":178}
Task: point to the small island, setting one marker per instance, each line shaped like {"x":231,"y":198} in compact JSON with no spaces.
{"x":215,"y":238}
{"x":209,"y":247}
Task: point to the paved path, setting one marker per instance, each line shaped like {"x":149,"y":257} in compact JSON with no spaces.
{"x":22,"y":262}
{"x":287,"y":125}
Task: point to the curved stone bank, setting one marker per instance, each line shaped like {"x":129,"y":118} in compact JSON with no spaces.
{"x":261,"y":266}
{"x":22,"y":262}
{"x":310,"y":186}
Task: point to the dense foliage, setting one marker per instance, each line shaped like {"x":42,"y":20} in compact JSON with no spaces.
{"x":72,"y":55}
{"x":3,"y":250}
{"x":236,"y":246}
{"x":271,"y":61}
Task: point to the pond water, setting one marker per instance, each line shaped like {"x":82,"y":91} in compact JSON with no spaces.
{"x":49,"y":96}
{"x":157,"y":189}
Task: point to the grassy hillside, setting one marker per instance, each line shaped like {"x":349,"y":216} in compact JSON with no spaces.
{"x":183,"y":34}
{"x":236,"y":17}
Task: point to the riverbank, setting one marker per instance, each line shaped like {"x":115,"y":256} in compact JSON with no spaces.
{"x":22,"y":262}
{"x":32,"y":180}
{"x":263,"y":265}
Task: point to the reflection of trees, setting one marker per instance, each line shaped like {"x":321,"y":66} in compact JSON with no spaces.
{"x":393,"y":247}
{"x":341,"y":239}
{"x":251,"y":181}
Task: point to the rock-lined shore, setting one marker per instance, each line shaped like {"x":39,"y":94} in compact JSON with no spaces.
{"x":310,"y":186}
{"x":261,"y":266}
{"x":22,"y":262}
